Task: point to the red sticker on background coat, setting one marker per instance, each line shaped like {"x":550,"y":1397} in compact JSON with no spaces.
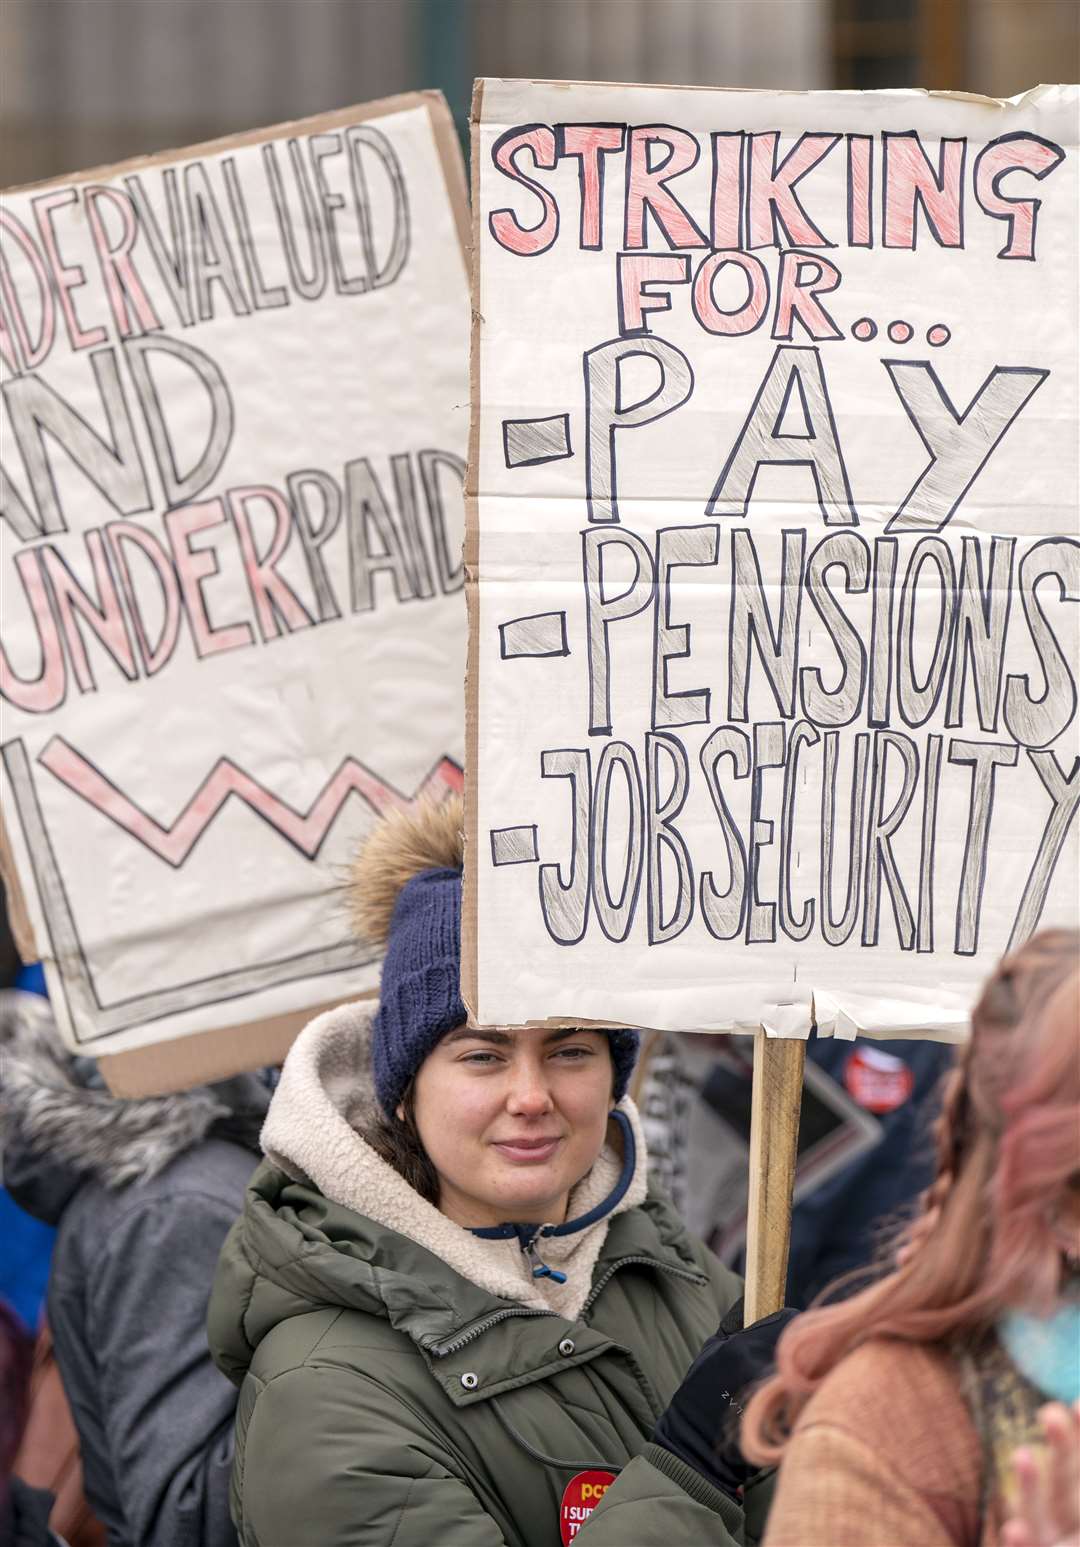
{"x":878,"y":1081}
{"x":580,"y":1497}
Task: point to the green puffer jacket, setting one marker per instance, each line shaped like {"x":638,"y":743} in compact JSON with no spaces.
{"x":389,"y":1401}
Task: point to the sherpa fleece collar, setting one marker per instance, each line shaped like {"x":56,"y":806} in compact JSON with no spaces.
{"x":313,"y":1133}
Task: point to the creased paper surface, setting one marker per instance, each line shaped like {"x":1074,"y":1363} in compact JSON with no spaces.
{"x":775,"y":505}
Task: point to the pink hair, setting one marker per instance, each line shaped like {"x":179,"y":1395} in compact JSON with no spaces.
{"x":1008,"y":1148}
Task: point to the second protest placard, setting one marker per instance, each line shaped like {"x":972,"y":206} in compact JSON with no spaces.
{"x":232,"y":418}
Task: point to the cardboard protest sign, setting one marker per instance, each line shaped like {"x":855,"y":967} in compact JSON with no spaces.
{"x":233,"y":432}
{"x":773,"y":515}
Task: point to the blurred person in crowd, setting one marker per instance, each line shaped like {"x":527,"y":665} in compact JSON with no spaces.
{"x":909,"y":1412}
{"x":866,"y":1152}
{"x":837,"y":1228}
{"x":142,"y":1193}
{"x":49,"y":1456}
{"x":24,"y":1261}
{"x":24,"y":1511}
{"x":454,"y":1307}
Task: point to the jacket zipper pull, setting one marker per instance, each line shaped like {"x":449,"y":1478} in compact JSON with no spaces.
{"x":539,"y":1267}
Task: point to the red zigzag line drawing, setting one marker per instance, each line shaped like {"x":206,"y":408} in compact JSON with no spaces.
{"x":307,"y":830}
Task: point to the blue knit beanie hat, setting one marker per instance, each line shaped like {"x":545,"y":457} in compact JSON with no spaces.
{"x":420,"y":996}
{"x":406,"y":891}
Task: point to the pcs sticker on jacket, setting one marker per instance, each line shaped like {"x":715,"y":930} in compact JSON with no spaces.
{"x":580,"y":1497}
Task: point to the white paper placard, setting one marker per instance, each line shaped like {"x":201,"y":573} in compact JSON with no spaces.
{"x":774,"y":506}
{"x":234,"y":381}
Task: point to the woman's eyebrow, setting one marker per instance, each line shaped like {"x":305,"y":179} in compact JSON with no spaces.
{"x":480,"y":1034}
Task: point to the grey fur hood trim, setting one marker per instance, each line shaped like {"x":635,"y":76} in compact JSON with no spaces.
{"x":54,"y":1104}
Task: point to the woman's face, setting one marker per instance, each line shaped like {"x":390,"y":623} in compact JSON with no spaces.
{"x":511,"y":1120}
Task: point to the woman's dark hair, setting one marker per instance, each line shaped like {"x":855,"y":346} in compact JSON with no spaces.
{"x":397,"y":1141}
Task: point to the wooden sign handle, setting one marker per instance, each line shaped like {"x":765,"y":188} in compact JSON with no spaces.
{"x":774,"y":1136}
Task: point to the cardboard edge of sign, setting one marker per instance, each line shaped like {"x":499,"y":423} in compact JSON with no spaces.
{"x":933,"y":93}
{"x":201,"y":1057}
{"x":206,"y":1056}
{"x":469,"y":963}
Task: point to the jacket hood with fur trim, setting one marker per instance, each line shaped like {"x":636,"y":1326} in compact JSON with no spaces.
{"x":59,"y":1124}
{"x":314,"y":1134}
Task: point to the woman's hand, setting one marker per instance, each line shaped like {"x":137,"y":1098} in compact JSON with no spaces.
{"x":1048,"y":1511}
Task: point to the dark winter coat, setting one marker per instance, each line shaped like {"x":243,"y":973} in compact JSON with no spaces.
{"x":143,"y":1193}
{"x":390,"y":1400}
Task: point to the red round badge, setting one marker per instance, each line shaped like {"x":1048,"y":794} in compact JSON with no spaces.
{"x":878,"y":1081}
{"x":580,"y":1497}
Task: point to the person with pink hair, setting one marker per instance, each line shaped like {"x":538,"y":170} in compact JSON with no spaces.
{"x":941,"y":1405}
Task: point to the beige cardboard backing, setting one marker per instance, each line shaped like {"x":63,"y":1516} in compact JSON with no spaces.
{"x":207,"y":1056}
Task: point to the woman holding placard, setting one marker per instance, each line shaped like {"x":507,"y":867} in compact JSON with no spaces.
{"x":454,"y":1307}
{"x":942,"y":1404}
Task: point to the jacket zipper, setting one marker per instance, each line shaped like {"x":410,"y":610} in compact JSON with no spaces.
{"x":649,"y":1262}
{"x":441,"y":1350}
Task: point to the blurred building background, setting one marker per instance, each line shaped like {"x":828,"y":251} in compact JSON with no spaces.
{"x":88,"y":82}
